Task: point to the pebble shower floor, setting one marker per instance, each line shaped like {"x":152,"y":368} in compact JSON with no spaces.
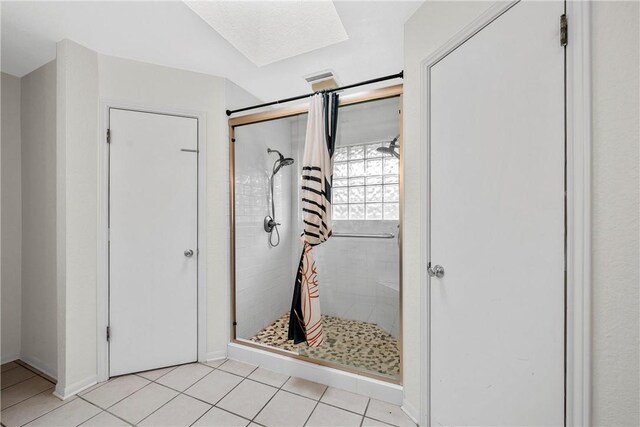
{"x":353,"y":343}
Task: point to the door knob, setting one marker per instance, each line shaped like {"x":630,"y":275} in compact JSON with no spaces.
{"x":437,"y":271}
{"x":188,"y":253}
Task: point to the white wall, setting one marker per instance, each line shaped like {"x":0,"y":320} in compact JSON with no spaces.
{"x":614,"y":199}
{"x":615,"y":187}
{"x":11,"y":218}
{"x":263,"y":273}
{"x":39,"y":307}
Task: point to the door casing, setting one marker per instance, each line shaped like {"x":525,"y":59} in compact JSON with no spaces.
{"x":578,"y":218}
{"x":103,"y":228}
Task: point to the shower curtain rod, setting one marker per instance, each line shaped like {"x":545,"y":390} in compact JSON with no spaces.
{"x":294,"y":98}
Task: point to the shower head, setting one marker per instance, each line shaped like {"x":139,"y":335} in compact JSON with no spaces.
{"x":282,"y":161}
{"x":287,"y":161}
{"x":391,"y":149}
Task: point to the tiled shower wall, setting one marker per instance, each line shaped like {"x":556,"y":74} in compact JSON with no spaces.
{"x":263,"y":273}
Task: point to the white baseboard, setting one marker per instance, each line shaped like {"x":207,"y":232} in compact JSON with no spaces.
{"x":354,"y":383}
{"x":411,"y":411}
{"x":39,"y":365}
{"x":216,"y":355}
{"x":64,"y":393}
{"x":9,"y":358}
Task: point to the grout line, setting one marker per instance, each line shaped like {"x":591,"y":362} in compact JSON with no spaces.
{"x":102,"y":411}
{"x":159,"y":407}
{"x":26,"y":379}
{"x":27,"y":398}
{"x":57,"y":407}
{"x":36,"y":371}
{"x":315,"y":407}
{"x":364,"y":415}
{"x":11,"y":369}
{"x":270,"y":399}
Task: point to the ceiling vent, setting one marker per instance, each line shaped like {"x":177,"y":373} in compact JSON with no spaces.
{"x":322,"y":81}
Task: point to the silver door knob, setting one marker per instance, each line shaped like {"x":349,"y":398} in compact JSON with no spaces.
{"x":437,"y":271}
{"x":188,"y":253}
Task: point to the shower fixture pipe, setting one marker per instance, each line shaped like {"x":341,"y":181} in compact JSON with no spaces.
{"x":295,"y":98}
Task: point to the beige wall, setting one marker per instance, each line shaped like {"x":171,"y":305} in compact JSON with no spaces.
{"x":615,"y":211}
{"x":39,"y":308}
{"x":11,"y":218}
{"x":151,"y":86}
{"x":76,"y":217}
{"x":614,"y":197}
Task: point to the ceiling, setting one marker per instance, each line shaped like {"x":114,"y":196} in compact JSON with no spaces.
{"x":269,"y":31}
{"x":169,"y":33}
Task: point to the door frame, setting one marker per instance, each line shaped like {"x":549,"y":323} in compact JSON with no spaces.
{"x":102,"y":300}
{"x":577,"y":213}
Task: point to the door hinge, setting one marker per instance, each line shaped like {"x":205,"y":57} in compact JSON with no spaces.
{"x":108,"y":136}
{"x":564,"y":34}
{"x":108,"y":333}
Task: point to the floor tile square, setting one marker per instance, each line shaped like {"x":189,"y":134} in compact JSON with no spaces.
{"x":216,"y":417}
{"x":214,"y":386}
{"x":345,"y":400}
{"x":9,"y":365}
{"x":24,"y":390}
{"x":181,"y":411}
{"x":238,"y":368}
{"x":142,"y":403}
{"x":32,"y":408}
{"x":70,"y":414}
{"x":154,"y":374}
{"x":105,"y":419}
{"x":15,"y":375}
{"x":286,"y":410}
{"x":215,"y":363}
{"x":329,"y":416}
{"x":115,"y":390}
{"x":268,"y":377}
{"x":389,"y":413}
{"x":183,"y":377}
{"x":305,"y":388}
{"x":247,"y":398}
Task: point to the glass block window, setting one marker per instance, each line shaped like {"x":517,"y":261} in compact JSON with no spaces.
{"x":365,"y":184}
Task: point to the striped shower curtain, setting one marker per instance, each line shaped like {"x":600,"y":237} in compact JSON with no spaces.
{"x":305,"y":322}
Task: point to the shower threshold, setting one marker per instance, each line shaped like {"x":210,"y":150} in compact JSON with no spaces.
{"x":355,"y":345}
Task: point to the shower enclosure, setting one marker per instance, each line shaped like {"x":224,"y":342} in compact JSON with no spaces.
{"x":358,"y":268}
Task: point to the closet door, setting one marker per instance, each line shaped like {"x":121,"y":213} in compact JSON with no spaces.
{"x":497,"y":224}
{"x":153,"y":241}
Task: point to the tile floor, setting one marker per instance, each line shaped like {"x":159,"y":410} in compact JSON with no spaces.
{"x":219,"y":393}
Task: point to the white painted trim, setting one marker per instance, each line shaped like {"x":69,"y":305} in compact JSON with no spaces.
{"x":354,"y":383}
{"x":215,"y":355}
{"x":579,"y":214}
{"x":37,"y":364}
{"x":9,"y":358}
{"x":64,"y":393}
{"x":411,"y":411}
{"x":103,"y":235}
{"x":578,"y":210}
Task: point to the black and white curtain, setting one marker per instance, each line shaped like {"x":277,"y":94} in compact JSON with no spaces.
{"x":305,"y":321}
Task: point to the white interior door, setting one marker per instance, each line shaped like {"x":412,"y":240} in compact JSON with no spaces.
{"x":497,"y":224}
{"x":153,"y":221}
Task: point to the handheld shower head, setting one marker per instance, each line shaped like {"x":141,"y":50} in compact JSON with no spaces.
{"x":269,"y":150}
{"x":282,"y":161}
